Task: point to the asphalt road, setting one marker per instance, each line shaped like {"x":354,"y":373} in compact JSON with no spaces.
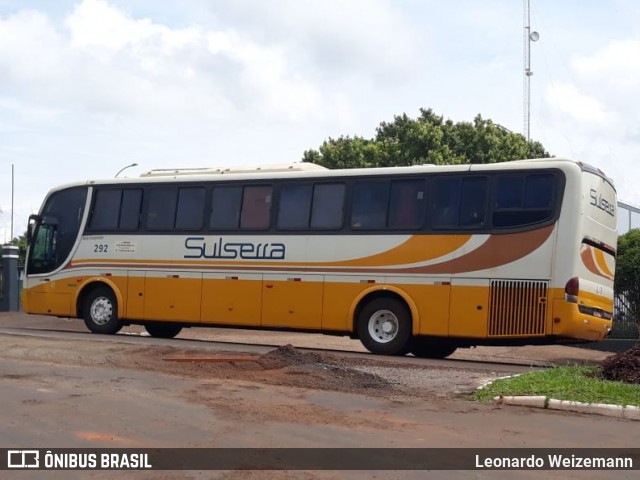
{"x":61,"y":387}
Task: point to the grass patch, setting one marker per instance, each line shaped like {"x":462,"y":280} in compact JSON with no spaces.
{"x":579,"y":384}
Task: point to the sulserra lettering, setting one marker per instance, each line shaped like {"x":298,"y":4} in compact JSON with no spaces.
{"x":200,"y":247}
{"x":598,"y":201}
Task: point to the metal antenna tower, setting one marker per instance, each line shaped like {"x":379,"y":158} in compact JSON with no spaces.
{"x":529,"y":37}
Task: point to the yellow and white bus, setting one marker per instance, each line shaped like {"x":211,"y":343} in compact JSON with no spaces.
{"x":421,"y":259}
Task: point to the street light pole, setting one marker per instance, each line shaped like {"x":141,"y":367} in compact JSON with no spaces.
{"x":124,"y":168}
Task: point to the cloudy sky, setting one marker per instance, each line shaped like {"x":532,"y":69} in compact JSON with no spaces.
{"x":90,"y":86}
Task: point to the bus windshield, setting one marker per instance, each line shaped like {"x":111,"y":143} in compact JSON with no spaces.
{"x":56,"y":231}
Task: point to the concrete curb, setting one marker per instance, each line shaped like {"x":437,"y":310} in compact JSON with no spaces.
{"x":489,"y":382}
{"x":628,"y":412}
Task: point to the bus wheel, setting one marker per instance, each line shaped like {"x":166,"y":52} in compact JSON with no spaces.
{"x":100,"y":311}
{"x":429,"y":348}
{"x":159,"y":330}
{"x":384,"y":326}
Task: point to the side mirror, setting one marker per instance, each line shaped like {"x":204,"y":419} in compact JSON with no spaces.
{"x":33,"y":221}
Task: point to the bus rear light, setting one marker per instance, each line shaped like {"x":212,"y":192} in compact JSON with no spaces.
{"x":571,"y":290}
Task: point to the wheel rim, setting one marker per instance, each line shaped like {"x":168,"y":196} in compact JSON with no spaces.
{"x":383,"y":326}
{"x":101,"y":311}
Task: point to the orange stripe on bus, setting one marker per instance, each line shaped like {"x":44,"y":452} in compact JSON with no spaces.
{"x":587,"y":255}
{"x":601,"y":261}
{"x":496,"y":251}
{"x":418,"y":248}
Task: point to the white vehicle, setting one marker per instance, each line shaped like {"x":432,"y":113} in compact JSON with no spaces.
{"x":421,"y":259}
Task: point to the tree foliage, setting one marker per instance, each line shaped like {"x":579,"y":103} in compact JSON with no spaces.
{"x":426,"y":139}
{"x":21,"y":243}
{"x":627,"y":280}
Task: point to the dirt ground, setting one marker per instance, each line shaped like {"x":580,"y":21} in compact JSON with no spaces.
{"x":326,"y":368}
{"x":282,"y":366}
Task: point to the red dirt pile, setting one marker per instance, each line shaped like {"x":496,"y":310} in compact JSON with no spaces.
{"x":623,"y":367}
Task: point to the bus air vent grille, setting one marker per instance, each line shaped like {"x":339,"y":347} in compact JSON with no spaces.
{"x":517,"y":307}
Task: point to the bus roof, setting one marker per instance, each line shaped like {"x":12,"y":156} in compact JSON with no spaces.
{"x":291,"y":167}
{"x":310,"y":170}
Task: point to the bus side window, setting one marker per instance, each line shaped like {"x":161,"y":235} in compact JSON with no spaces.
{"x":539,"y":191}
{"x":256,"y":208}
{"x":190,"y":208}
{"x":293,"y":207}
{"x":161,"y":210}
{"x":369,"y":205}
{"x":225,"y":208}
{"x":473,"y":201}
{"x":130,"y":209}
{"x":509,"y":192}
{"x":327,"y":208}
{"x":116,"y":209}
{"x":523,"y":200}
{"x":444,"y":202}
{"x":106,"y":209}
{"x":407,"y":204}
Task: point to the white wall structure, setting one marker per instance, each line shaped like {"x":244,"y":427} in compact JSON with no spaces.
{"x":628,"y":217}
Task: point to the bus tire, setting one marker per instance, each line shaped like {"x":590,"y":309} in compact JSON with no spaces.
{"x":100,"y":311}
{"x":384,"y":326}
{"x":162,"y":330}
{"x":429,"y":348}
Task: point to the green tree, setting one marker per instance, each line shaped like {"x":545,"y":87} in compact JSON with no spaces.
{"x":426,"y":139}
{"x":627,"y":279}
{"x":21,"y":243}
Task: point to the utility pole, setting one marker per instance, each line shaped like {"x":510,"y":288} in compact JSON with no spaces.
{"x":12,"y":197}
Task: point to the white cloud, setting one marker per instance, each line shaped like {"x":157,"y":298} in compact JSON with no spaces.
{"x":95,"y":23}
{"x":618,"y":64}
{"x":90,"y":86}
{"x":581,"y":108}
{"x":372,"y":39}
{"x":105,"y":62}
{"x":30,"y":53}
{"x":596,"y":111}
{"x":82,"y":97}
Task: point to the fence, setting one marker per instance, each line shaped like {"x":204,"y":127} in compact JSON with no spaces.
{"x":628,"y":217}
{"x":624,"y":324}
